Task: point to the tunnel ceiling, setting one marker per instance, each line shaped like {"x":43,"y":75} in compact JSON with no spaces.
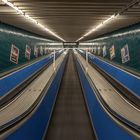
{"x":71,"y":19}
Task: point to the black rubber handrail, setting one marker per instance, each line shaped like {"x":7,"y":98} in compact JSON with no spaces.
{"x":17,"y":90}
{"x":127,"y":69}
{"x":20,"y":118}
{"x":126,"y":93}
{"x":21,"y":66}
{"x":135,"y":129}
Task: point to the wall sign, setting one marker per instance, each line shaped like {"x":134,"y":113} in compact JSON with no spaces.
{"x":41,"y":50}
{"x":35,"y":51}
{"x":28,"y":52}
{"x":14,"y":54}
{"x":99,"y":50}
{"x":94,"y":50}
{"x":112,"y":52}
{"x":104,"y":51}
{"x":70,"y":44}
{"x":45,"y":50}
{"x":125,"y":54}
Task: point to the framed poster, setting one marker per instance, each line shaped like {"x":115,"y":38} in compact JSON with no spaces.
{"x":104,"y":51}
{"x":99,"y":50}
{"x":45,"y":50}
{"x":35,"y":51}
{"x":112,"y":52}
{"x":94,"y":50}
{"x":14,"y":54}
{"x":125,"y":54}
{"x":28,"y":52}
{"x":41,"y":50}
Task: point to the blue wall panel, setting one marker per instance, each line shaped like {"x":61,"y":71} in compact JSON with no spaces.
{"x":128,"y":80}
{"x":13,"y":80}
{"x":105,"y":127}
{"x":34,"y":128}
{"x":8,"y":83}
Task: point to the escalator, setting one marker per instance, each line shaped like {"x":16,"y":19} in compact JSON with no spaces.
{"x":70,"y":119}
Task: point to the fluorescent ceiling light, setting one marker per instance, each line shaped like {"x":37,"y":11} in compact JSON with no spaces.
{"x":98,"y":26}
{"x":31,"y":19}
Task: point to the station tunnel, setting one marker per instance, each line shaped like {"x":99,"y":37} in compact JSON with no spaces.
{"x":69,"y":70}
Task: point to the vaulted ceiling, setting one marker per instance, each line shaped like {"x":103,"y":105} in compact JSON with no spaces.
{"x":71,"y":19}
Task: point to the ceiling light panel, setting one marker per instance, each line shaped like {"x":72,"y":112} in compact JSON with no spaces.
{"x":98,"y":26}
{"x":25,"y":15}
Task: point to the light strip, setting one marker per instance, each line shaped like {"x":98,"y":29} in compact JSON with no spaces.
{"x":97,"y":27}
{"x":119,"y":34}
{"x":31,"y":19}
{"x":23,"y":35}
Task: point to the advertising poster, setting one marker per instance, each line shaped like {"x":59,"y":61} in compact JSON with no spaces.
{"x":94,"y":50}
{"x":45,"y":50}
{"x":41,"y":50}
{"x":35,"y":51}
{"x":104,"y":51}
{"x":14,"y":54}
{"x":112,"y":52}
{"x":28,"y":52}
{"x":99,"y":50}
{"x":125,"y":54}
